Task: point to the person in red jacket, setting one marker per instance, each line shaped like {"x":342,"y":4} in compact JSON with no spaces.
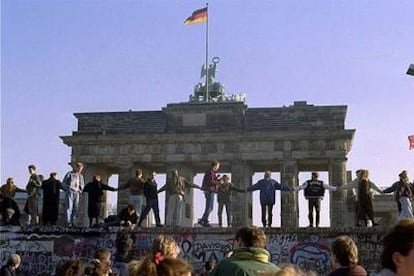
{"x":210,"y":184}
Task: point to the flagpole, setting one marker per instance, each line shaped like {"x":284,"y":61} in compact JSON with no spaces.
{"x":206,"y":94}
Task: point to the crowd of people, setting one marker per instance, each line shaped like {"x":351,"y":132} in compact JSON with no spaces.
{"x":248,"y":257}
{"x":143,"y":197}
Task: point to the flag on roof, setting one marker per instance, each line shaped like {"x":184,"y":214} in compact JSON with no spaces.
{"x":199,"y":16}
{"x":411,"y":140}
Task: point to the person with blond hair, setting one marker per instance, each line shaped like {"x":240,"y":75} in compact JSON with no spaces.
{"x":73,"y":184}
{"x":10,"y":189}
{"x":344,"y":260}
{"x":102,"y":263}
{"x":398,"y":252}
{"x":163,"y":247}
{"x":364,"y":193}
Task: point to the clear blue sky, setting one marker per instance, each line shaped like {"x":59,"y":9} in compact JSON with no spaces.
{"x":61,"y":57}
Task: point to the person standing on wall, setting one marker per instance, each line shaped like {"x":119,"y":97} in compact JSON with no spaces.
{"x":268,"y":187}
{"x":175,"y":187}
{"x":314,"y":192}
{"x":96,"y":197}
{"x":51,"y":192}
{"x":224,"y":193}
{"x":73,"y":184}
{"x":151,"y":196}
{"x":403,"y":192}
{"x":364,"y":192}
{"x":136,"y":190}
{"x":210,"y":184}
{"x":33,"y":195}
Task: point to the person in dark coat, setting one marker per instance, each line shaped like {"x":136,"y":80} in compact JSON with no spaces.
{"x":51,"y":188}
{"x":13,"y":263}
{"x":9,"y":211}
{"x":151,"y":196}
{"x":96,"y":197}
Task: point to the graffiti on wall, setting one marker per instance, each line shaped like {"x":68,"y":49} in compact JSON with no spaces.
{"x":41,"y":253}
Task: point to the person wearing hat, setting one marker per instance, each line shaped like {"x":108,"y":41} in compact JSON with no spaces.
{"x":403,"y":191}
{"x":314,"y":192}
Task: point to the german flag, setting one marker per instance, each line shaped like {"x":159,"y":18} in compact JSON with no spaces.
{"x":199,"y":16}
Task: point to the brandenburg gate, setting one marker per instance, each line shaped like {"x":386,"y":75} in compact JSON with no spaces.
{"x":188,"y":136}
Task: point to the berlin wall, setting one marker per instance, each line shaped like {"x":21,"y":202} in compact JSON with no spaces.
{"x":43,"y":248}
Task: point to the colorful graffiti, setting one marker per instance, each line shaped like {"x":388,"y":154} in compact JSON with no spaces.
{"x":42,"y":251}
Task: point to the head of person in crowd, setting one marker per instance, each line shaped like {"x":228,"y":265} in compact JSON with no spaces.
{"x":14,"y":262}
{"x":363,"y":174}
{"x":133,"y":267}
{"x":344,"y":259}
{"x":166,"y":245}
{"x":138,"y":173}
{"x":267,"y":175}
{"x":70,"y":267}
{"x":314,"y":175}
{"x":78,"y":167}
{"x":165,"y":266}
{"x":131,"y":208}
{"x":404,"y":176}
{"x":344,"y":252}
{"x":163,"y":247}
{"x":251,"y":237}
{"x":10,"y":182}
{"x":102,"y":261}
{"x":215,"y":165}
{"x":398,"y":253}
{"x":292,"y":270}
{"x":97,"y":178}
{"x":32,"y":169}
{"x":151,"y":175}
{"x":173,"y":267}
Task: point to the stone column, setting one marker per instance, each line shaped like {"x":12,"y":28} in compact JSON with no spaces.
{"x":241,"y":175}
{"x":124,"y":174}
{"x":289,"y":200}
{"x":340,"y":215}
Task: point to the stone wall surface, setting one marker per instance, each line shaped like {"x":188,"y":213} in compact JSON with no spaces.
{"x":43,"y":248}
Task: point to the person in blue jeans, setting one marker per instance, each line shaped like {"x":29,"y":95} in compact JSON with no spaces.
{"x":268,"y":187}
{"x":211,"y":181}
{"x":73,"y":184}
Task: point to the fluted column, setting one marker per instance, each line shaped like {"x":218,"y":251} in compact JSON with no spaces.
{"x":241,"y":175}
{"x":124,"y":174}
{"x":289,"y":201}
{"x":340,"y":215}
